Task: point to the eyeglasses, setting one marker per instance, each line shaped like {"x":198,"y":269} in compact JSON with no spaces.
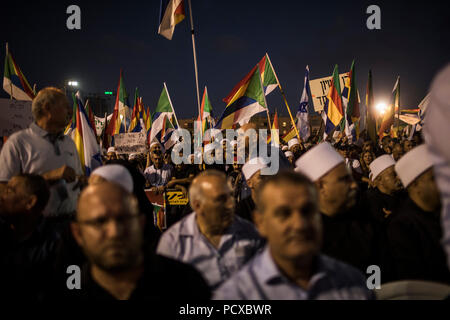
{"x":101,"y":222}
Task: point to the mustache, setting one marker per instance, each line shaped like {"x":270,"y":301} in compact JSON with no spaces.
{"x":303,"y":235}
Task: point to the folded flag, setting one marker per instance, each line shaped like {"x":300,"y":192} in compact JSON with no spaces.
{"x":171,"y":13}
{"x":14,"y":82}
{"x":302,"y":113}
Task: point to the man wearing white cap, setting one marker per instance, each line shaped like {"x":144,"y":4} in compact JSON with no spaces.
{"x":111,"y":154}
{"x":383,"y":199}
{"x":347,"y":236}
{"x":212,"y":238}
{"x":253,"y":177}
{"x":414,"y":235}
{"x":295,"y":148}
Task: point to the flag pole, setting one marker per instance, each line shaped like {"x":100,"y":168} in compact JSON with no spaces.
{"x":398,"y":108}
{"x":284,"y":98}
{"x":195,"y":58}
{"x":170,"y":101}
{"x":10,"y":82}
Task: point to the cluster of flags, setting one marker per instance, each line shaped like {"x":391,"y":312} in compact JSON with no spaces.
{"x":82,"y":132}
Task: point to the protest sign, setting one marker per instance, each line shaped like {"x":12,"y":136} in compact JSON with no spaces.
{"x":176,"y":198}
{"x":320,"y":88}
{"x":130,"y":142}
{"x":15,"y":115}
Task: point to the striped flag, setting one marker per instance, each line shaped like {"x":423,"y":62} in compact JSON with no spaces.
{"x":245,"y":100}
{"x":351,"y":105}
{"x":302,"y":113}
{"x":114,"y":125}
{"x":206,"y":110}
{"x":85,"y":138}
{"x":136,"y":116}
{"x":163,"y":109}
{"x":14,"y":82}
{"x":171,"y":13}
{"x":268,"y":76}
{"x":333,"y":112}
{"x":90,"y":114}
{"x":289,"y":135}
{"x":388,"y":118}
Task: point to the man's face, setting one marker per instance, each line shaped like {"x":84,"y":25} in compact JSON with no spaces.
{"x":389,"y":181}
{"x":428,"y":190}
{"x":290,"y":220}
{"x":107,"y":230}
{"x":60,"y":113}
{"x":217,"y":207}
{"x":295,"y":149}
{"x":111,"y":156}
{"x":15,"y":200}
{"x":397,"y":152}
{"x":338,"y":188}
{"x":407,"y":146}
{"x":255,"y":181}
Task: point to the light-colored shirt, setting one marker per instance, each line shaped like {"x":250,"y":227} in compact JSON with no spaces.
{"x":184,"y":242}
{"x":158,"y":177}
{"x":31,"y":151}
{"x":260,"y":279}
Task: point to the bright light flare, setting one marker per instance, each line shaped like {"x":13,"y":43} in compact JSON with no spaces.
{"x":73,"y":83}
{"x":381,"y":108}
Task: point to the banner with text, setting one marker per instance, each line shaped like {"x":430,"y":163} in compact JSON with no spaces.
{"x":15,"y":115}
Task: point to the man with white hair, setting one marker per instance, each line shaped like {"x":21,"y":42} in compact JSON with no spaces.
{"x":414,"y":234}
{"x":158,"y":174}
{"x":253,"y":177}
{"x":347,"y":236}
{"x":212,"y":238}
{"x":44,"y":149}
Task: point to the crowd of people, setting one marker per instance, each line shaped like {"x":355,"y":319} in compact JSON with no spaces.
{"x":310,"y":231}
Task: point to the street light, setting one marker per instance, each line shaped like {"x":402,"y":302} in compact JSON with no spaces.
{"x":73,"y":83}
{"x":381,"y":108}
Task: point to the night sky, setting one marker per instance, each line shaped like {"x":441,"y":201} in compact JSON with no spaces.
{"x":231,"y":36}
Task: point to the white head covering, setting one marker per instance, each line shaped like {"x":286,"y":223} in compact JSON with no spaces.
{"x":233,"y":143}
{"x":284,"y":148}
{"x":288,"y":154}
{"x":252,"y":166}
{"x":133,"y":156}
{"x":318,"y":161}
{"x":111,"y":149}
{"x":117,"y":174}
{"x":380,"y":164}
{"x":413,"y":164}
{"x":293,"y":142}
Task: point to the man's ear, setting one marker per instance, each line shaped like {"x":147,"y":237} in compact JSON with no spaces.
{"x":76,"y":232}
{"x":258,"y":219}
{"x":195,"y":205}
{"x":31,"y":202}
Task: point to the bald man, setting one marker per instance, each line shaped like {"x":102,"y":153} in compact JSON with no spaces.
{"x":212,"y":238}
{"x":109,"y":229}
{"x":43,"y":149}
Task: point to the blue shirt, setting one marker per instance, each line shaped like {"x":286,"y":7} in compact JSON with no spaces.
{"x":184,"y":242}
{"x":158,"y":177}
{"x":261,"y":279}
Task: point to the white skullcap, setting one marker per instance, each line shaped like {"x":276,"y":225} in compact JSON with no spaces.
{"x":413,"y":163}
{"x":191,"y":156}
{"x":233,"y":143}
{"x":318,"y":161}
{"x":288,"y":154}
{"x":133,"y":156}
{"x":117,"y":174}
{"x":225,"y":140}
{"x":293,"y":142}
{"x":252,"y":166}
{"x":111,"y":149}
{"x":284,"y":148}
{"x":380,"y":164}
